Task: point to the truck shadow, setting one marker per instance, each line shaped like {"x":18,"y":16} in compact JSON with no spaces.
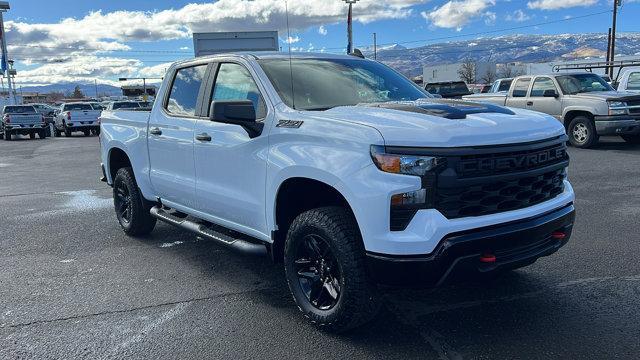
{"x":414,"y":323}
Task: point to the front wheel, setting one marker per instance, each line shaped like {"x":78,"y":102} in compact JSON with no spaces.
{"x":132,"y":210}
{"x":631,"y":139}
{"x":326,"y":270}
{"x":582,"y":132}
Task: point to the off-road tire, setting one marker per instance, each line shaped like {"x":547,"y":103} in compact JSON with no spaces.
{"x":582,"y":132}
{"x":139,"y":222}
{"x":358,"y":301}
{"x":631,"y":139}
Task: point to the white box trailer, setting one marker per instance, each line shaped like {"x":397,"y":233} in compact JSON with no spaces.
{"x":217,"y":42}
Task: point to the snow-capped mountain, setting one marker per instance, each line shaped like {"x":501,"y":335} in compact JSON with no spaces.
{"x":508,"y":48}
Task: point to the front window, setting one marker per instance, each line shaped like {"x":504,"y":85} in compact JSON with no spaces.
{"x":582,"y":83}
{"x":320,"y":84}
{"x":541,"y":85}
{"x":234,"y":82}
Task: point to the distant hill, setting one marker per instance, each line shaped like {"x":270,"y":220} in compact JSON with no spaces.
{"x":508,"y":48}
{"x":87,"y":89}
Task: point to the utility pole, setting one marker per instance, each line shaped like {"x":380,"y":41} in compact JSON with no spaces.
{"x":616,"y":3}
{"x":4,"y":7}
{"x":375,"y":47}
{"x":349,"y":29}
{"x":95,"y":82}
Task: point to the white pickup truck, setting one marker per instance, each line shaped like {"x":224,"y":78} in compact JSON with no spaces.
{"x":629,"y":80}
{"x":78,"y":116}
{"x":22,"y":120}
{"x":342,"y":169}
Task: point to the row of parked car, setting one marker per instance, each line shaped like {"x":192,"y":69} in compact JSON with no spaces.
{"x":37,"y":120}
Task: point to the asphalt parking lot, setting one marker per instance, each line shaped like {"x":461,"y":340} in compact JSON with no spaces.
{"x":72,"y":285}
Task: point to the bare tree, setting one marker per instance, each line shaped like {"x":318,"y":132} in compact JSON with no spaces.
{"x":508,"y":71}
{"x":489,"y":76}
{"x":467,"y":71}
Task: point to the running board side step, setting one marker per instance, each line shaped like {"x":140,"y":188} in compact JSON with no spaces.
{"x":231,"y":242}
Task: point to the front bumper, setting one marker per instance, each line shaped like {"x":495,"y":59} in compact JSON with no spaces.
{"x":617,"y":124}
{"x":514,"y":244}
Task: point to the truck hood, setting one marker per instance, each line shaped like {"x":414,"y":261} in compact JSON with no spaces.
{"x":406,"y":126}
{"x":607,"y":96}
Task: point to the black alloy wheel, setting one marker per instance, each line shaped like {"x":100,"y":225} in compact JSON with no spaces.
{"x":123,"y":202}
{"x":318,"y":272}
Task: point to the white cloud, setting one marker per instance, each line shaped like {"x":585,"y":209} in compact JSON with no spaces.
{"x":456,"y":14}
{"x":322,"y":30}
{"x":559,"y":4}
{"x":291,"y":40}
{"x":518,"y":16}
{"x":490,"y":18}
{"x":72,"y":41}
{"x":185,"y":48}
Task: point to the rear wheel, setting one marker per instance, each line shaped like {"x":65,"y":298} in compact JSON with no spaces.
{"x":582,"y":132}
{"x":32,"y":136}
{"x":42,"y":134}
{"x":132,"y":210}
{"x":7,"y":135}
{"x":87,"y":132}
{"x":67,"y":132}
{"x":326,"y":270}
{"x":632,"y":139}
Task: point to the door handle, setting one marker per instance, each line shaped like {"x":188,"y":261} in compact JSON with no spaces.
{"x":203,"y":137}
{"x":155,"y":131}
{"x":529,"y":103}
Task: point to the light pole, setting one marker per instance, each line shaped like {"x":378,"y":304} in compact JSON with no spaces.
{"x":349,"y":21}
{"x":4,"y":7}
{"x":616,"y":4}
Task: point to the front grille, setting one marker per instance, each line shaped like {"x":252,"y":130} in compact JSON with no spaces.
{"x":634,"y":103}
{"x":494,"y":197}
{"x":485,"y":181}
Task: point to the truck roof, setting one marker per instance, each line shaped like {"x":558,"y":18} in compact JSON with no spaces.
{"x":259,"y":55}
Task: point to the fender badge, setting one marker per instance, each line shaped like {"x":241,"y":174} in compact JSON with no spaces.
{"x":289,"y":124}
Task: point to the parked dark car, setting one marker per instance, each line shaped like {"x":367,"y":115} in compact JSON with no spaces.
{"x":449,"y":89}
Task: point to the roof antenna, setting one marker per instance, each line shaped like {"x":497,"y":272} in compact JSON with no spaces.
{"x":293,"y":94}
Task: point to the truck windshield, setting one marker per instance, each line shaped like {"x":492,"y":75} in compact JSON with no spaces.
{"x":582,"y":83}
{"x":320,"y":84}
{"x":19,"y":110}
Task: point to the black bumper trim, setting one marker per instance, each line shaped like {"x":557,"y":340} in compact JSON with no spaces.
{"x":514,"y":244}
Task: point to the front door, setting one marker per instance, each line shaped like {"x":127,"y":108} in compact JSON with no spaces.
{"x":231,"y":165}
{"x":537,"y":100}
{"x":171,"y":160}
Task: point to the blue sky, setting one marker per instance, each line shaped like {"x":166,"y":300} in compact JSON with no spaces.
{"x":68,"y":40}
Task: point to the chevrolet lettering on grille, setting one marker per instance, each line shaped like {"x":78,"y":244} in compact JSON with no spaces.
{"x":513,"y":162}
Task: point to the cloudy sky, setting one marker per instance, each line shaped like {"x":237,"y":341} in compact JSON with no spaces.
{"x":79,"y":40}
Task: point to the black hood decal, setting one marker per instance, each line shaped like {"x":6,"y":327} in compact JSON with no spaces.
{"x":446,"y":108}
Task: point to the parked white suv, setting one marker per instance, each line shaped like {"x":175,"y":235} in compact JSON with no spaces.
{"x":350,"y":174}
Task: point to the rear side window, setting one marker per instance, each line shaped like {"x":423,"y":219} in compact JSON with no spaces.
{"x":234,"y":82}
{"x":72,"y":107}
{"x":521,"y":87}
{"x":634,"y":81}
{"x":185,"y":89}
{"x":504,"y":85}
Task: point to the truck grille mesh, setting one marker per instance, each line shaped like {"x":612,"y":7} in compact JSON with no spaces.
{"x":494,"y":197}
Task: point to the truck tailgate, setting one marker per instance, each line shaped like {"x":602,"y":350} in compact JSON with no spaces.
{"x":25,"y":119}
{"x":84,"y":116}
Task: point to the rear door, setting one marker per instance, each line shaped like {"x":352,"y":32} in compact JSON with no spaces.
{"x":537,"y":100}
{"x":170,"y":136}
{"x":518,"y":96}
{"x":230,"y":165}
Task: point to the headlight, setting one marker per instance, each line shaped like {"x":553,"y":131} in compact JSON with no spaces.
{"x":417,"y":165}
{"x":617,"y":108}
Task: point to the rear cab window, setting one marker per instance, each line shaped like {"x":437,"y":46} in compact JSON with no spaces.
{"x":19,"y":110}
{"x":77,"y":107}
{"x":185,"y":89}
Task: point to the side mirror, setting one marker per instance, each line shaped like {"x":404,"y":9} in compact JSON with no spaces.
{"x":550,"y":93}
{"x":237,"y":112}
